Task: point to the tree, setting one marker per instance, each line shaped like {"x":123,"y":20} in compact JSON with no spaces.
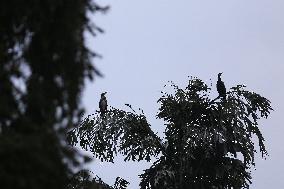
{"x":208,"y":143}
{"x":44,"y":64}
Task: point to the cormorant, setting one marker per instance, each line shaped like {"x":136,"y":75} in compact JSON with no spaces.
{"x":221,"y":87}
{"x":103,"y":103}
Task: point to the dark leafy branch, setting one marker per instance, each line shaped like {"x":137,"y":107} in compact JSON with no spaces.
{"x":83,"y":180}
{"x":117,"y":131}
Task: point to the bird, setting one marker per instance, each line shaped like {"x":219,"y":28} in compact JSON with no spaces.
{"x":221,"y":87}
{"x":103,"y":103}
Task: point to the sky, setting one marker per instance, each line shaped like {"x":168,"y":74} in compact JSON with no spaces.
{"x":148,"y":43}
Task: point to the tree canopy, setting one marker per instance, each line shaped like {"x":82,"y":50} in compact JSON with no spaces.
{"x":208,"y":141}
{"x":44,"y":63}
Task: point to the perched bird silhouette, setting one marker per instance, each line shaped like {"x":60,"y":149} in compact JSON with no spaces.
{"x":221,"y":87}
{"x":103,"y":103}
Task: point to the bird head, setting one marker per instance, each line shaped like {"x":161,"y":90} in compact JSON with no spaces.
{"x":219,"y":74}
{"x":103,"y":94}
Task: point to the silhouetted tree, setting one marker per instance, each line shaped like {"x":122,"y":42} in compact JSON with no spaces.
{"x":208,"y":143}
{"x":44,"y":63}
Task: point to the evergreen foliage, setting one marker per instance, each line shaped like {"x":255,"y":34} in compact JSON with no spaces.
{"x":44,"y":63}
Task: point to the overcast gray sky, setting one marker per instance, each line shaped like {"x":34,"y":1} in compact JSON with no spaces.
{"x":150,"y":42}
